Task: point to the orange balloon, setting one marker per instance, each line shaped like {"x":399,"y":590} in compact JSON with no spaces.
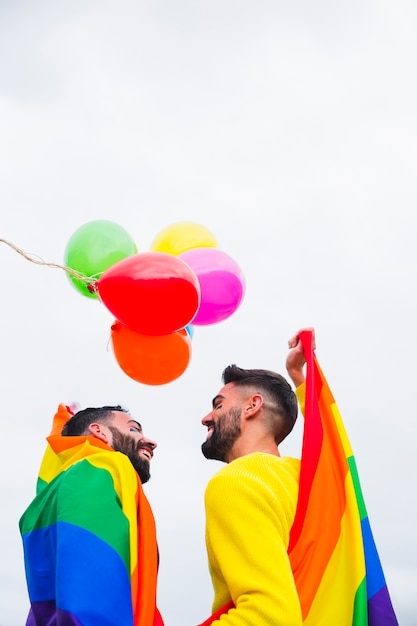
{"x":151,"y":359}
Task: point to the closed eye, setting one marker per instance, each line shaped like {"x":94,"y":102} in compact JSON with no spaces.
{"x":134,"y":426}
{"x":217,"y":402}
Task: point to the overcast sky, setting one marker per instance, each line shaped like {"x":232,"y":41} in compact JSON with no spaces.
{"x":289,"y":130}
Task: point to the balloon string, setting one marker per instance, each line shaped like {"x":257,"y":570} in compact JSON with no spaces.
{"x":88,"y":280}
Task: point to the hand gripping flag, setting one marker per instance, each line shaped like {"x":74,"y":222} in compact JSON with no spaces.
{"x":333,"y":556}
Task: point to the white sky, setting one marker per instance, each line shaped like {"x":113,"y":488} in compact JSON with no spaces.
{"x":287,"y":129}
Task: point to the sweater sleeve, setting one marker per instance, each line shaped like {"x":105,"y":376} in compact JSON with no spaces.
{"x":248,"y":524}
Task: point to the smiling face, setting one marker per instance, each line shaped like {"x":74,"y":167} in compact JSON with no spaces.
{"x":126,"y":436}
{"x":223,"y":424}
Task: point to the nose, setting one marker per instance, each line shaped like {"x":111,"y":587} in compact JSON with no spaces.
{"x":150,"y":443}
{"x":208,"y":418}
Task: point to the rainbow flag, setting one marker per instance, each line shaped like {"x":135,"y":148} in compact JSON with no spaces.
{"x":332,"y":552}
{"x":89,"y":538}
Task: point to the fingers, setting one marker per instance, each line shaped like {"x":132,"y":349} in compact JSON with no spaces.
{"x":293,"y":342}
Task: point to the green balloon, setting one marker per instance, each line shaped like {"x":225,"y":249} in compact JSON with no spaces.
{"x":93,"y":248}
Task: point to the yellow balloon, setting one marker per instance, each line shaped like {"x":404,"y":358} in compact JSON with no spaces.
{"x":183,"y":236}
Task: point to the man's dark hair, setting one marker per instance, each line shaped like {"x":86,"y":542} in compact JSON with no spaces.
{"x":78,"y":424}
{"x":276,"y":389}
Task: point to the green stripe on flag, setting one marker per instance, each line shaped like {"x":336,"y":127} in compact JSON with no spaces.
{"x":84,"y":496}
{"x":358,"y":491}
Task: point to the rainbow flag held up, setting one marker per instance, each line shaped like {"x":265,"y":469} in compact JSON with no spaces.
{"x":333,"y":556}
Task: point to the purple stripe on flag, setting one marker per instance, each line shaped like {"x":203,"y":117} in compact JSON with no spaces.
{"x":380,"y":610}
{"x":47,"y":614}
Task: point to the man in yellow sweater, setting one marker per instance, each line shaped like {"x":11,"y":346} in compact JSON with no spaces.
{"x":250,"y":503}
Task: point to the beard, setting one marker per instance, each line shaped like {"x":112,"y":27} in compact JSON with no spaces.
{"x":223,"y":436}
{"x":130,"y":446}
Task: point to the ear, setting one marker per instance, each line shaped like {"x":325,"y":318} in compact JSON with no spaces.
{"x":99,"y":432}
{"x":252,"y":406}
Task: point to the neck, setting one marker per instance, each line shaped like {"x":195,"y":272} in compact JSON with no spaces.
{"x":243,"y":448}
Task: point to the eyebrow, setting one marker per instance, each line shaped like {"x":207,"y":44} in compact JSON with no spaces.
{"x":136,"y":423}
{"x":218,"y":397}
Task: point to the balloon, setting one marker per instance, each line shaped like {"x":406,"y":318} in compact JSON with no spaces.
{"x":153,"y":293}
{"x":183,"y":236}
{"x":222,"y":284}
{"x":95,"y":247}
{"x":152,"y":360}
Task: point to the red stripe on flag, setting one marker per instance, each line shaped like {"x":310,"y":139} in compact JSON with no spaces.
{"x":322,"y":498}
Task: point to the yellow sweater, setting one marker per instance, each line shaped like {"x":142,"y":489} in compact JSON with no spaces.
{"x":250,"y":508}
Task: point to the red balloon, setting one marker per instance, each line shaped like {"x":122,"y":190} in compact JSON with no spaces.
{"x":152,"y":360}
{"x":154,"y":293}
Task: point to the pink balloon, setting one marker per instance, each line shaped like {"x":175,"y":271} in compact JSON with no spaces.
{"x":221,"y":281}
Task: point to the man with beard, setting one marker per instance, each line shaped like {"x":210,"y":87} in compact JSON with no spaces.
{"x":251,"y":503}
{"x":89,"y":536}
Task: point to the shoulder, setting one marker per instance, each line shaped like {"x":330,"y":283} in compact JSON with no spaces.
{"x":258,"y":485}
{"x":257,"y":474}
{"x":99,"y":470}
{"x":260,"y":464}
{"x":115,"y":464}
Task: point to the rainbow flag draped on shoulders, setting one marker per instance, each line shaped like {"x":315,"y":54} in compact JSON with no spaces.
{"x":333,"y":556}
{"x":89,"y":538}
